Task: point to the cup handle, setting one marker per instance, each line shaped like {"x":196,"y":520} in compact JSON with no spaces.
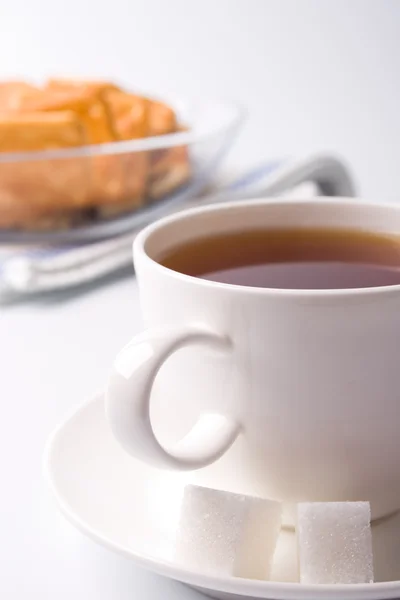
{"x":127,"y":401}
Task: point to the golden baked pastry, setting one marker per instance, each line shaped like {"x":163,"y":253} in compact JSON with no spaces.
{"x":28,"y":189}
{"x":24,"y":132}
{"x":34,"y":193}
{"x":107,"y":172}
{"x":129,"y":113}
{"x":49,"y":193}
{"x":86,"y":103}
{"x":162,"y":119}
{"x":12,"y":93}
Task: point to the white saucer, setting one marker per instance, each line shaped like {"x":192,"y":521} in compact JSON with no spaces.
{"x":133,"y":509}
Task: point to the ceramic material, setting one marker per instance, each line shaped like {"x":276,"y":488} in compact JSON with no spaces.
{"x":296,"y":389}
{"x":133,"y":509}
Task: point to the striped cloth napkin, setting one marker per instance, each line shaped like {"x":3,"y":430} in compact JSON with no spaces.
{"x":33,"y":270}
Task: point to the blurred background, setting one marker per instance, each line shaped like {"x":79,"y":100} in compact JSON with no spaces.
{"x":314,"y":76}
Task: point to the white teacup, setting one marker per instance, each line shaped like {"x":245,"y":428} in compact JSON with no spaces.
{"x":298,"y":389}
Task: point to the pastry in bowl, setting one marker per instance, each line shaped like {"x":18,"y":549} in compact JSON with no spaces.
{"x":49,"y":185}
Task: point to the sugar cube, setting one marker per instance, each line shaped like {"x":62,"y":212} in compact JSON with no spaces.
{"x":227,"y":534}
{"x":334,"y":542}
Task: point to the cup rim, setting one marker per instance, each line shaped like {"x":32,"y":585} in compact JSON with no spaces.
{"x":144,"y":235}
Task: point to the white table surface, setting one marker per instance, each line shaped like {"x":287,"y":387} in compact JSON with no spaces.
{"x":315,"y":76}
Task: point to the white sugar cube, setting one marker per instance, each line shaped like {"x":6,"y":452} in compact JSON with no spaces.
{"x":227,"y":534}
{"x":334,"y":542}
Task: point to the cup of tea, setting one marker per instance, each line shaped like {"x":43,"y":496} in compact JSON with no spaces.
{"x":271,"y":348}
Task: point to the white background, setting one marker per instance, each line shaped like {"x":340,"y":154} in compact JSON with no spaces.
{"x":315,"y":75}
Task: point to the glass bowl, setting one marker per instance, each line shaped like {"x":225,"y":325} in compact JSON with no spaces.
{"x":100,"y":191}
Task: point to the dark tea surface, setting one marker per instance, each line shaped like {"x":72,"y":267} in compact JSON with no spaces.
{"x":292,"y":258}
